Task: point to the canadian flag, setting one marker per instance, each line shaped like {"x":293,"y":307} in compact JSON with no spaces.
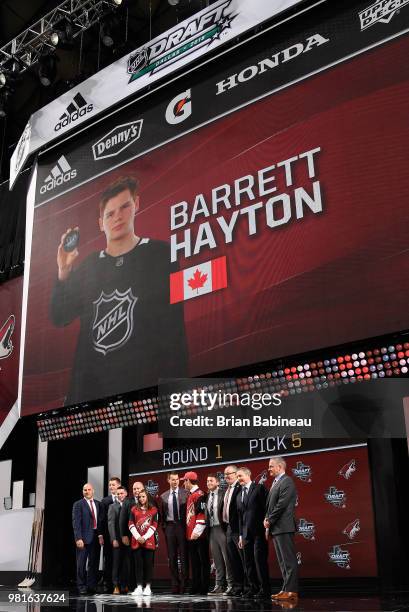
{"x":198,"y":280}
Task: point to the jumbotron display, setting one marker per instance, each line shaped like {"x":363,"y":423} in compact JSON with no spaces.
{"x":225,"y":224}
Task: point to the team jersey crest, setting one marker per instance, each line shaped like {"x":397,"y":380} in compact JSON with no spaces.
{"x":113,"y":320}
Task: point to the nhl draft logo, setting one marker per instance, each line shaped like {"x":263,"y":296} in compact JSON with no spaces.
{"x":198,"y":32}
{"x":306,"y":529}
{"x":223,"y":483}
{"x":380,"y":12}
{"x":152,"y":487}
{"x":336,"y":497}
{"x":340,"y":557}
{"x":6,"y":331}
{"x":352,"y":529}
{"x":113,"y":320}
{"x":348,"y":469}
{"x":302,"y":471}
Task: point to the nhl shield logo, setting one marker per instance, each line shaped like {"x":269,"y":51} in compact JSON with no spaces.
{"x":113,"y":320}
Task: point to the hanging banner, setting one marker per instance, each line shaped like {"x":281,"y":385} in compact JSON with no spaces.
{"x":189,"y":40}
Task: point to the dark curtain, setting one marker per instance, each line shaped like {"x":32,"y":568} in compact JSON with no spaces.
{"x":12,"y":227}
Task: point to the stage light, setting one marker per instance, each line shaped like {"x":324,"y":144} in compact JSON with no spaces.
{"x":3,"y":79}
{"x":47,"y":70}
{"x":54,"y":39}
{"x":173,"y":2}
{"x":107,"y":33}
{"x":63,"y":35}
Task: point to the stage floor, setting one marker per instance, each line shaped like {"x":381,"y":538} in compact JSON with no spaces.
{"x":180,"y":603}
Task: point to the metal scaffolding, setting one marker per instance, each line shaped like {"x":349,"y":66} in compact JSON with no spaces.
{"x":26,"y":49}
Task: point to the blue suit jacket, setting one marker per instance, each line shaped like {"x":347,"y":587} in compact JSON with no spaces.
{"x":82,"y":522}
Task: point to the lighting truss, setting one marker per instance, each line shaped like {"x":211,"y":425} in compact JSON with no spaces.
{"x":26,"y":49}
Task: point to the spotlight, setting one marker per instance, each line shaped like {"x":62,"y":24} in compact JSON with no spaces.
{"x":117,"y":2}
{"x":54,"y":39}
{"x":3,"y":79}
{"x":47,"y":70}
{"x":110,"y":31}
{"x":63,"y":35}
{"x":173,"y":2}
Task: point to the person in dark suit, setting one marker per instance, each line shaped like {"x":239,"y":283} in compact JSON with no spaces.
{"x":120,"y":561}
{"x":113,"y":485}
{"x":251,"y":507}
{"x":231,"y":521}
{"x":281,"y":524}
{"x":217,"y":534}
{"x":87,"y":515}
{"x":172,"y":515}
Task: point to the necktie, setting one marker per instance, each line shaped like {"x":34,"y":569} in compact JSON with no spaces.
{"x":211,"y":511}
{"x":94,"y":520}
{"x":226,"y":504}
{"x":175,"y":507}
{"x":245,"y":495}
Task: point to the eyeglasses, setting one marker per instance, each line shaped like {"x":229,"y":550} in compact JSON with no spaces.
{"x":229,"y":473}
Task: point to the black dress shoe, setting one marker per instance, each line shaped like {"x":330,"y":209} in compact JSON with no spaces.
{"x":249,"y":594}
{"x":235,"y":593}
{"x":82,"y":591}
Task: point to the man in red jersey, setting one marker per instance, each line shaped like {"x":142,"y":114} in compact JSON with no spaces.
{"x":197,"y":541}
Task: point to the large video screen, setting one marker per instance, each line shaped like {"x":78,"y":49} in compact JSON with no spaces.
{"x":233,"y":219}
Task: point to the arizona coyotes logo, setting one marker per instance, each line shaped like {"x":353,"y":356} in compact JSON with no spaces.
{"x":113,"y":320}
{"x":190,"y":513}
{"x":299,"y":558}
{"x":352,"y":529}
{"x":348,"y":469}
{"x":261,"y":478}
{"x":6,"y":331}
{"x":144,"y":524}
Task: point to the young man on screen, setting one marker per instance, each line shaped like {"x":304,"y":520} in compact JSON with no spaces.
{"x":130,"y":335}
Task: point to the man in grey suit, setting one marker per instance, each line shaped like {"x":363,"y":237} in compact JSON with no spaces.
{"x":120,"y":566}
{"x":281,"y":524}
{"x":217,"y":535}
{"x":172,"y":512}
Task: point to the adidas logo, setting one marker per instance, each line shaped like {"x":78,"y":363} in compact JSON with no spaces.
{"x":61,"y":173}
{"x":76,"y":109}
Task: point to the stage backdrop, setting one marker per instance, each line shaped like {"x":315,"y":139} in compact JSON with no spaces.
{"x":334,"y":509}
{"x":272,"y":221}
